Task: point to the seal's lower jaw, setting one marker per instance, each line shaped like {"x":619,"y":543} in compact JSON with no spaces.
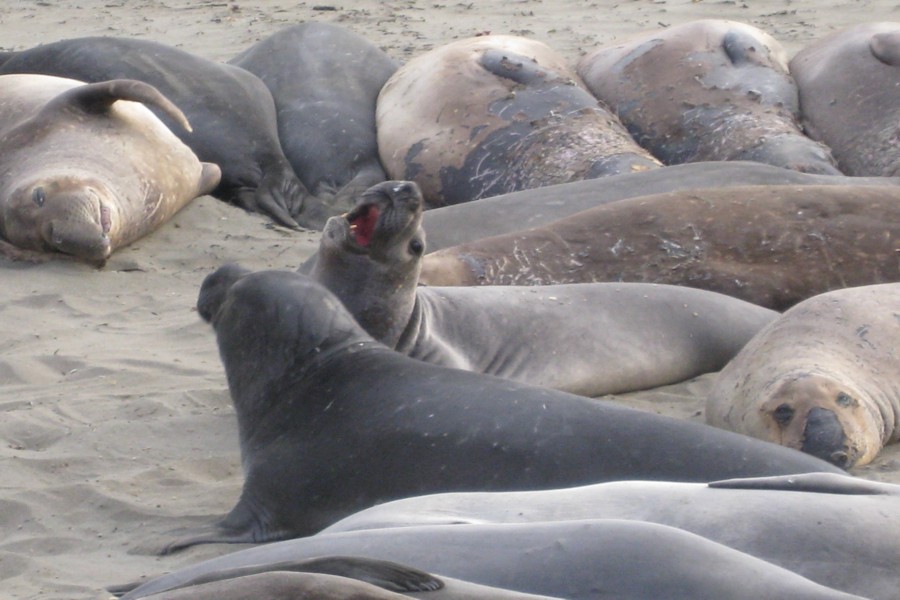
{"x":84,"y":240}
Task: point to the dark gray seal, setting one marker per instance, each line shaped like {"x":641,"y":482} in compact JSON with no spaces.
{"x":86,"y":169}
{"x":706,"y":90}
{"x":495,"y":114}
{"x":332,"y":421}
{"x":626,"y":560}
{"x":770,"y":245}
{"x":848,"y":96}
{"x":325,"y":80}
{"x":231,"y":112}
{"x":590,"y":339}
{"x":823,"y":378}
{"x":836,"y":530}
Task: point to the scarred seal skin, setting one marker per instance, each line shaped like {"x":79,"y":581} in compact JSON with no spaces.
{"x":86,"y":169}
{"x":849,"y":98}
{"x":706,"y":90}
{"x":770,"y":245}
{"x":823,"y":378}
{"x":495,"y":114}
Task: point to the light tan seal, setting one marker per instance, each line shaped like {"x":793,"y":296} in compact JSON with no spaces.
{"x":823,"y":378}
{"x":87,"y":168}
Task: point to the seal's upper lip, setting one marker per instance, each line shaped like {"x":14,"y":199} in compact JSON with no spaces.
{"x":362,"y":220}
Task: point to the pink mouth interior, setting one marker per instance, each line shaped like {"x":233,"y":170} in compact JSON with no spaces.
{"x":362,"y":224}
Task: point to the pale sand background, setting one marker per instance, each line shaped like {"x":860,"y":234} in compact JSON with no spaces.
{"x":115,"y":422}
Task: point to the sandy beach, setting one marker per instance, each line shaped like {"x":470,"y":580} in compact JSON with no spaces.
{"x":115,"y":420}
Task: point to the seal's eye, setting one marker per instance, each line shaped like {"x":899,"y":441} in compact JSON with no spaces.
{"x":416,"y":246}
{"x":783,"y":414}
{"x":38,"y":196}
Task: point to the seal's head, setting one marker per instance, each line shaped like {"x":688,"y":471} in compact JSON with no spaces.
{"x":385,"y":225}
{"x":65,"y":213}
{"x":823,"y":417}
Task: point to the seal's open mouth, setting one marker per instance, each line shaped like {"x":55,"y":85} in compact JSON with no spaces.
{"x":362,"y":221}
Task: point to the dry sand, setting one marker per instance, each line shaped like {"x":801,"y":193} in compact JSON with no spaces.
{"x":115,"y":421}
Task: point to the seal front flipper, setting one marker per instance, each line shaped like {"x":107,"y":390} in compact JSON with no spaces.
{"x":744,"y":49}
{"x":385,"y":574}
{"x":823,"y":483}
{"x":97,"y":98}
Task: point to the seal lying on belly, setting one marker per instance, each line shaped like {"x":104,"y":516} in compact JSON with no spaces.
{"x":706,"y":90}
{"x":324,"y":79}
{"x":577,"y":560}
{"x":848,"y":85}
{"x":770,"y":245}
{"x":86,"y":169}
{"x":837,"y":530}
{"x":495,"y":114}
{"x":823,"y":378}
{"x":231,"y":112}
{"x":332,"y":421}
{"x":588,"y":339}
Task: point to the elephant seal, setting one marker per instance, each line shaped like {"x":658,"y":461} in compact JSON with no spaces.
{"x":706,"y":90}
{"x":331,"y":577}
{"x":57,"y":199}
{"x":836,"y":530}
{"x":848,"y":96}
{"x":823,"y":378}
{"x":588,"y":339}
{"x":495,"y":114}
{"x":325,"y":80}
{"x":231,"y":112}
{"x":627,"y":560}
{"x":770,"y":245}
{"x":460,"y":223}
{"x":320,"y":403}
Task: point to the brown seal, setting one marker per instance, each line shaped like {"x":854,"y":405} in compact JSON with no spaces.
{"x":771,"y":245}
{"x":495,"y":114}
{"x":706,"y":90}
{"x":823,"y":378}
{"x":86,"y":169}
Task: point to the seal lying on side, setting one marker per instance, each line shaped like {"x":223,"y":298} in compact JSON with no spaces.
{"x":324,"y":79}
{"x":589,"y":339}
{"x":706,"y":90}
{"x":848,"y":96}
{"x":230,"y":110}
{"x":626,"y":560}
{"x":460,"y":223}
{"x":332,"y":421}
{"x":836,"y":530}
{"x":86,"y":169}
{"x":823,"y":378}
{"x":332,"y":577}
{"x":495,"y":114}
{"x":770,"y":245}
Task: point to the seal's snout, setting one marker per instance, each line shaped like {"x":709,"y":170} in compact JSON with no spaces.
{"x":824,"y":437}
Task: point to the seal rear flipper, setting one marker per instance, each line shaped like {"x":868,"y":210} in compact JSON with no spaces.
{"x":886,"y":47}
{"x":97,"y":98}
{"x":210,"y":177}
{"x":823,"y":483}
